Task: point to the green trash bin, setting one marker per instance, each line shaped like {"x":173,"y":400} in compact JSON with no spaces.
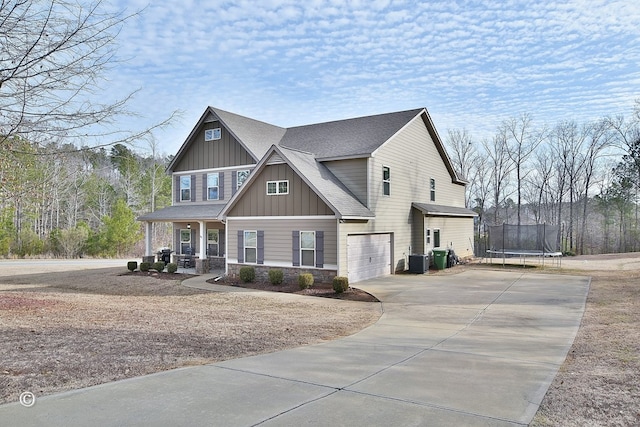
{"x":440,"y":258}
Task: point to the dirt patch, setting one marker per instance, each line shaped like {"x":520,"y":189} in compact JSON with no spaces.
{"x":67,"y":330}
{"x":324,"y":290}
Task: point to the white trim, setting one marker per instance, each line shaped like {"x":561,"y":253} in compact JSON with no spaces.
{"x":286,"y":218}
{"x":301,"y":249}
{"x":277,"y":183}
{"x":226,"y":168}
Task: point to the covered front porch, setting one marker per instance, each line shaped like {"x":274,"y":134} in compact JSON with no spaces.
{"x":198,"y":237}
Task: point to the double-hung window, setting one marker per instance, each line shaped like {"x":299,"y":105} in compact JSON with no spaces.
{"x":432,"y":188}
{"x":251,"y":247}
{"x":213,"y":237}
{"x":213,"y":182}
{"x":185,"y":188}
{"x":308,"y":248}
{"x":386,"y":181}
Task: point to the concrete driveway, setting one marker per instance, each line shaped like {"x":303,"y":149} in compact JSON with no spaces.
{"x":478,"y":348}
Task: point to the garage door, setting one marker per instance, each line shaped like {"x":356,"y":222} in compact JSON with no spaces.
{"x":368,"y":256}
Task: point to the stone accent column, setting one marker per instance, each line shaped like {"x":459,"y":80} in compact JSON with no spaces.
{"x":149,"y":258}
{"x":202,"y":266}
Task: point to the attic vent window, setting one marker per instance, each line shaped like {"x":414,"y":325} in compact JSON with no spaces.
{"x":277,"y":187}
{"x":212,"y":134}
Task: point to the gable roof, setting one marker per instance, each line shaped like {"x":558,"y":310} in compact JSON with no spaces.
{"x":342,"y":139}
{"x":318,"y":177}
{"x":255,"y":136}
{"x":350,"y":138}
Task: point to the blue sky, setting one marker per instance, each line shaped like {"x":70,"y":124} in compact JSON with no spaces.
{"x":472,"y":64}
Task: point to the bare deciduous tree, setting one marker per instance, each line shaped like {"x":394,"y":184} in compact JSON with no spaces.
{"x":53,"y":59}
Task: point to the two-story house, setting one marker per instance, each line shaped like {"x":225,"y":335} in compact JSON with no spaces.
{"x":351,"y":197}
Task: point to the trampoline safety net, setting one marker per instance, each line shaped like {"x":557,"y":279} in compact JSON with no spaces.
{"x":538,"y":238}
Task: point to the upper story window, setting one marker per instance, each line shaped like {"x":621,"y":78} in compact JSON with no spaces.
{"x":432,"y":187}
{"x":241,"y":177}
{"x":277,"y":187}
{"x":212,"y":134}
{"x":386,"y":181}
{"x":185,"y":188}
{"x":213,"y":183}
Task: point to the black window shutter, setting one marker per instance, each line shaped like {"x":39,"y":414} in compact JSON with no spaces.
{"x":260,"y":254}
{"x":240,"y":246}
{"x":205,"y":193}
{"x":221,"y":242}
{"x":193,"y":188}
{"x":194,"y":241}
{"x":320,"y":249}
{"x":296,"y":248}
{"x":221,"y":186}
{"x":234,"y":182}
{"x":177,"y":189}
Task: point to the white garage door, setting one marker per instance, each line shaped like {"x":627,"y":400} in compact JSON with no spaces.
{"x":368,"y":256}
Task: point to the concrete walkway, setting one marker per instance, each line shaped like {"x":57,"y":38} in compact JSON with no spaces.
{"x":478,"y":348}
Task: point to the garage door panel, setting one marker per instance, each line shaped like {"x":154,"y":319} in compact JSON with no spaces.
{"x":368,"y":256}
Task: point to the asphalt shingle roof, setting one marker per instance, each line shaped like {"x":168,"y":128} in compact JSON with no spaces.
{"x":184,"y":212}
{"x":347,"y":138}
{"x":429,"y":209}
{"x":335,"y":193}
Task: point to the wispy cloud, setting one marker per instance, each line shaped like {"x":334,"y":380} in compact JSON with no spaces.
{"x":472,"y":64}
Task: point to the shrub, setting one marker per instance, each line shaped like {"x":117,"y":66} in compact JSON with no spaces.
{"x":276,"y":276}
{"x":305,"y":280}
{"x":247,"y":274}
{"x":145,"y":266}
{"x":340,"y":284}
{"x":172,"y":267}
{"x":158,"y":266}
{"x":132,"y":265}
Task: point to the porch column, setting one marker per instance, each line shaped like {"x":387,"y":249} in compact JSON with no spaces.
{"x":148,"y":233}
{"x":203,"y":239}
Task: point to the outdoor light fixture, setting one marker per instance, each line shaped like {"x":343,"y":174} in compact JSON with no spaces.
{"x":189,"y":226}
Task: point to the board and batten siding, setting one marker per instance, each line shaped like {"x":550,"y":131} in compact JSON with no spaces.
{"x":224,"y":152}
{"x":300,"y":201}
{"x":353,"y":174}
{"x":278,"y":238}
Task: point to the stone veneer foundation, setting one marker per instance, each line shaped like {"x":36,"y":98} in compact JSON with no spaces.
{"x":290,"y":273}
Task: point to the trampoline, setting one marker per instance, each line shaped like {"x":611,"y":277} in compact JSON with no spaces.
{"x":525,"y":241}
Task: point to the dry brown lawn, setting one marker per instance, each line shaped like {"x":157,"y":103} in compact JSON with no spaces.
{"x":67,"y":330}
{"x":62,"y":331}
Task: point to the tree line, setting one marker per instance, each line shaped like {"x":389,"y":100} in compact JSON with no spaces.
{"x":584,"y":177}
{"x":66,"y":202}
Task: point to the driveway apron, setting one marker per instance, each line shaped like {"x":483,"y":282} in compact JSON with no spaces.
{"x":479,"y":348}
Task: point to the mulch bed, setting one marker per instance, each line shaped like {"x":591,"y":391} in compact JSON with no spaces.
{"x":324,"y":290}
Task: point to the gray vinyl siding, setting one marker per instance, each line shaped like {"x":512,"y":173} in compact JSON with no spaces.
{"x":278,"y":237}
{"x":220,"y":153}
{"x":301,"y":200}
{"x":413,"y":159}
{"x":353,"y":174}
